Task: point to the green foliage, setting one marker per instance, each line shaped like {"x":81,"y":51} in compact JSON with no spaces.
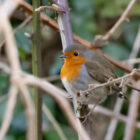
{"x":117,"y":51}
{"x":22,"y":41}
{"x":4,"y":82}
{"x":119,"y":132}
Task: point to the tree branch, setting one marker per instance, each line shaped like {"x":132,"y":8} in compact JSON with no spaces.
{"x":49,"y":115}
{"x":110,"y":113}
{"x":134,"y":100}
{"x":26,"y":21}
{"x":9,"y":111}
{"x":102,"y":40}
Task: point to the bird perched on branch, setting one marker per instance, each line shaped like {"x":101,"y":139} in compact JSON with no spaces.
{"x":83,"y":68}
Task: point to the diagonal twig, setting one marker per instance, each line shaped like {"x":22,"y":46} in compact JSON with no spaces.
{"x":54,"y":8}
{"x":27,"y":20}
{"x":49,"y":115}
{"x":102,"y":40}
{"x":119,"y":103}
{"x":9,"y":111}
{"x":16,"y":83}
{"x":29,"y":111}
{"x":134,"y":100}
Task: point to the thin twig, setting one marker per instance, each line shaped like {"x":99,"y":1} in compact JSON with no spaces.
{"x":16,"y":82}
{"x":52,"y":78}
{"x":95,"y":86}
{"x":134,"y":100}
{"x":102,"y":40}
{"x":29,"y":112}
{"x":54,"y":8}
{"x":12,"y":53}
{"x":132,"y":115}
{"x":136,"y":47}
{"x":9,"y":111}
{"x":119,"y":103}
{"x":134,"y":87}
{"x":132,"y":61}
{"x":110,"y":113}
{"x":113,"y":123}
{"x":49,"y":115}
{"x":25,"y":22}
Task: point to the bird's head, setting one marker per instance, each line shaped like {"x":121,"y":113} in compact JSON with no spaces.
{"x":76,"y":54}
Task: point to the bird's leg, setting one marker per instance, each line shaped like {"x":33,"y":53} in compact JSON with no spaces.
{"x":122,"y":88}
{"x":78,"y":107}
{"x":89,"y":113}
{"x":110,"y":86}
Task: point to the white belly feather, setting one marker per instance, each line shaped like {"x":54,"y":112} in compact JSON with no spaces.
{"x":68,"y":86}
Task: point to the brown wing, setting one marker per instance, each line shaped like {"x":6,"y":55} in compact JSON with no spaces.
{"x":100,"y":68}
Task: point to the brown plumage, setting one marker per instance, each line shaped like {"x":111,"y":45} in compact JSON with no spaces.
{"x":83,"y":67}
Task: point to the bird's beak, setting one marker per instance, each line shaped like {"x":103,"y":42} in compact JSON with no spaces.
{"x":63,"y":56}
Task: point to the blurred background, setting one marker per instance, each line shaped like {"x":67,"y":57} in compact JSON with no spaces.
{"x":88,"y":18}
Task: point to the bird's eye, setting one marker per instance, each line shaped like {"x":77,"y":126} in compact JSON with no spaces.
{"x":76,"y":53}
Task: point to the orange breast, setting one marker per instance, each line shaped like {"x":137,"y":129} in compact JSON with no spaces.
{"x":71,"y":68}
{"x":70,"y":71}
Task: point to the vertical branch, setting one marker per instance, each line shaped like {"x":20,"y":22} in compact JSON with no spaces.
{"x":134,"y":100}
{"x":114,"y":121}
{"x":9,"y":111}
{"x":36,"y":66}
{"x":65,"y":31}
{"x":64,"y":24}
{"x":67,"y":40}
{"x":55,"y":124}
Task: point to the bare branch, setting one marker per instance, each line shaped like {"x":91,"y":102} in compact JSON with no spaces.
{"x":10,"y":6}
{"x":29,"y":112}
{"x":9,"y":111}
{"x":132,"y":61}
{"x":110,"y":113}
{"x":52,"y":78}
{"x":134,"y":101}
{"x":133,"y":113}
{"x":10,"y":43}
{"x":136,"y":47}
{"x":15,"y":79}
{"x":54,"y":8}
{"x":54,"y":122}
{"x":133,"y":87}
{"x":25,"y":22}
{"x":113,"y":123}
{"x":102,"y":40}
{"x":119,"y":103}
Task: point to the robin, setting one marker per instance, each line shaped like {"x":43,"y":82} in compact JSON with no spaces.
{"x":83,"y":67}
